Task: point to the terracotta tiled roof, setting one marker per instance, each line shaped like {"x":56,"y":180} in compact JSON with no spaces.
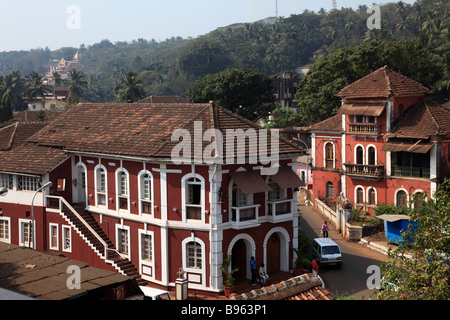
{"x":139,"y":130}
{"x":423,"y":120}
{"x":331,"y":124}
{"x":304,"y":287}
{"x":15,"y":134}
{"x":383,"y":83}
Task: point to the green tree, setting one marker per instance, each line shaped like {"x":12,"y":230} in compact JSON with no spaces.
{"x":34,"y":86}
{"x":130,"y":88}
{"x":204,"y":56}
{"x":247,"y":92}
{"x":5,"y":108}
{"x":13,"y":86}
{"x":282,"y":118}
{"x":77,"y":86}
{"x":419,"y":268}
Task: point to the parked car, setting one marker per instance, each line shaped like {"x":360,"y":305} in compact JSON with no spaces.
{"x":151,"y":294}
{"x":327,"y":252}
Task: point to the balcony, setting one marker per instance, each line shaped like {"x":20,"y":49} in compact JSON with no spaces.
{"x":364,"y":128}
{"x":410,"y":171}
{"x":245,"y":216}
{"x":279,"y":210}
{"x":364,"y":172}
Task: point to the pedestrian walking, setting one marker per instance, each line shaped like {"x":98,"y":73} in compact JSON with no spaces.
{"x":325,"y":229}
{"x":253,"y":270}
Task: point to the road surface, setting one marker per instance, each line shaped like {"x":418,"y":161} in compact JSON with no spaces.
{"x":351,"y":278}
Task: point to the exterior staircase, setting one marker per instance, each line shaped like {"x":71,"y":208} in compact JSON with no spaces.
{"x":88,"y":228}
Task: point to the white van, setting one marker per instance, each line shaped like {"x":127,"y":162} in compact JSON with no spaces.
{"x":327,"y":252}
{"x":151,"y":294}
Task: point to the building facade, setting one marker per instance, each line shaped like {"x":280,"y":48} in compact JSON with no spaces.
{"x":387,"y":143}
{"x":120,"y":202}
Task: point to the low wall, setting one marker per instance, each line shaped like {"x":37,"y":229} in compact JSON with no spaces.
{"x":327,"y":212}
{"x":349,"y":231}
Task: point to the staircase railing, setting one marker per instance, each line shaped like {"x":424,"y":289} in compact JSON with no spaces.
{"x":63,"y":202}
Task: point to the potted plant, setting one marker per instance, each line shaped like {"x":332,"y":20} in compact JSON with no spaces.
{"x":229,"y":279}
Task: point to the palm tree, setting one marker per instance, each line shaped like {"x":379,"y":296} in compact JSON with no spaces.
{"x":77,"y":85}
{"x":57,"y":79}
{"x":130,"y":88}
{"x":12,"y":86}
{"x":34,"y":86}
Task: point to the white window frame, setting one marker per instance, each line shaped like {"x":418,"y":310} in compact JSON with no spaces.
{"x":368,"y":196}
{"x":6,"y":181}
{"x":184,"y":185}
{"x":28,"y":183}
{"x":363,"y":154}
{"x":190,"y":271}
{"x":51,"y":235}
{"x":363,"y":194}
{"x":146,"y":263}
{"x":141,"y":190}
{"x":120,"y":227}
{"x":407,"y":196}
{"x":119,"y":195}
{"x":97,"y":185}
{"x":325,"y":154}
{"x":7,"y":221}
{"x":64,"y":239}
{"x":24,"y":242}
{"x":367,"y":153}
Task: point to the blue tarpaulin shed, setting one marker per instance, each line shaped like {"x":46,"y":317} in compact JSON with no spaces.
{"x":395,"y":225}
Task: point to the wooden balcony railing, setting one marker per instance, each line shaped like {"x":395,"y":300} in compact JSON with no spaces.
{"x":364,"y":170}
{"x":364,"y":128}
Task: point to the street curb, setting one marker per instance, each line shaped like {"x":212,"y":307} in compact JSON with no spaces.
{"x":374,"y":246}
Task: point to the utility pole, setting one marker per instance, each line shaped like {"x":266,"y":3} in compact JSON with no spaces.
{"x":276,"y":9}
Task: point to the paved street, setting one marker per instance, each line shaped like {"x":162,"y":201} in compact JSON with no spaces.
{"x":351,"y":278}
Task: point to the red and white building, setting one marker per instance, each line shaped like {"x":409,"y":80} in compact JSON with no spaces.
{"x":120,"y":202}
{"x":387,"y":142}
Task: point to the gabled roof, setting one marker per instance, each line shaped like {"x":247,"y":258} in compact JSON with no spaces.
{"x":133,"y":130}
{"x":422,"y":121}
{"x":333,"y":124}
{"x":16,"y":133}
{"x":383,"y":83}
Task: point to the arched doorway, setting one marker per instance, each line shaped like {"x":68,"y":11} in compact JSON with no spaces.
{"x":273,"y":253}
{"x":239,"y":260}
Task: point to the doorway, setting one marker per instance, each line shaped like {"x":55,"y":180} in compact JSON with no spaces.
{"x":273,"y":253}
{"x":239,"y":260}
{"x":81,"y":185}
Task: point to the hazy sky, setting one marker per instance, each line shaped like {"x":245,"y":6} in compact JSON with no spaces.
{"x":29,"y":24}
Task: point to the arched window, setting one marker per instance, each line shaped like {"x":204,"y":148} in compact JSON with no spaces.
{"x":371,"y":160}
{"x":359,"y":195}
{"x":277,"y":193}
{"x":101,"y":185}
{"x":359,"y":155}
{"x":146,"y":192}
{"x":372,"y":196}
{"x":330,"y":190}
{"x":193,"y":197}
{"x":401,"y":198}
{"x":329,"y":155}
{"x":122,"y":189}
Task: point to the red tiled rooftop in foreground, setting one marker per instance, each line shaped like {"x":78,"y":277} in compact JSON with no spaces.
{"x":303,"y":287}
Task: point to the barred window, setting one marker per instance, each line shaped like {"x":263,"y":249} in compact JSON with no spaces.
{"x":146,"y":247}
{"x":6,"y":181}
{"x":28,"y":183}
{"x":194,"y":255}
{"x":4,"y":230}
